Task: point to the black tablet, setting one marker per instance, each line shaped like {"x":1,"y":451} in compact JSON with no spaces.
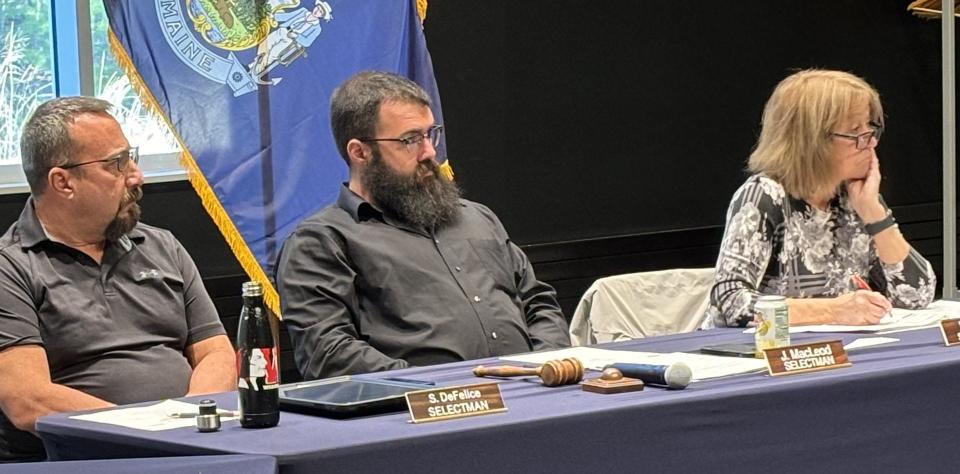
{"x":748,"y":350}
{"x":345,"y":397}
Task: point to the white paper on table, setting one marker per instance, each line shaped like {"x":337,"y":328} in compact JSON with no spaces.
{"x":863,"y":342}
{"x":149,"y":418}
{"x":703,"y":366}
{"x":897,"y":320}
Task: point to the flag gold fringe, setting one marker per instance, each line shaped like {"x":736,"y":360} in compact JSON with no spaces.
{"x":446,"y":170}
{"x":422,"y":10}
{"x":199,"y":182}
{"x":930,"y":9}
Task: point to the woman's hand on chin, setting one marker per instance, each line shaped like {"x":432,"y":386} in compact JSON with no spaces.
{"x":864,"y":194}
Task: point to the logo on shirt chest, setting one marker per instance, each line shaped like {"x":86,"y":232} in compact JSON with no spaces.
{"x":151,"y":274}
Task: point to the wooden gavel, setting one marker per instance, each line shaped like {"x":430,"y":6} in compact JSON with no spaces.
{"x":552,"y":373}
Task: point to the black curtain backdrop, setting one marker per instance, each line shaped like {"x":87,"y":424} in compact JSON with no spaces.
{"x":605,"y":120}
{"x":577,"y":119}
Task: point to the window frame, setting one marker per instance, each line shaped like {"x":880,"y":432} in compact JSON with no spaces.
{"x":71,"y":43}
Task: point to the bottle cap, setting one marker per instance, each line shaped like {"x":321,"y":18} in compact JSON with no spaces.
{"x":208,"y":407}
{"x":208,"y":420}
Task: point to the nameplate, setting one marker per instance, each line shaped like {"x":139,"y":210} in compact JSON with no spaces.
{"x":454,"y":402}
{"x":802,"y":358}
{"x":950,"y":328}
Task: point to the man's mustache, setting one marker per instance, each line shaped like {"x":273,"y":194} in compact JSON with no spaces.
{"x":426,"y":167}
{"x":134,"y":194}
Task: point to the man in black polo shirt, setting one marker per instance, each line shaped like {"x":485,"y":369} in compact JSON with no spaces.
{"x":95,"y":309}
{"x":401,"y":271}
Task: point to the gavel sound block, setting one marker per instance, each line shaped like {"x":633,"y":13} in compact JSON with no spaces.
{"x":552,"y":373}
{"x":612,"y":381}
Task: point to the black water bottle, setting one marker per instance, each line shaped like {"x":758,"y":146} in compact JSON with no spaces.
{"x":257,"y":364}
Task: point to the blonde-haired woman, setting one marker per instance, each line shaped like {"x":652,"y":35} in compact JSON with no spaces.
{"x":810,"y":224}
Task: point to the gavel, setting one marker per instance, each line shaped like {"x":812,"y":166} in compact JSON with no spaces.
{"x":552,"y":373}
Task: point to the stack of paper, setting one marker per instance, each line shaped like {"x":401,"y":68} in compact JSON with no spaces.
{"x":897,"y":320}
{"x":166,"y":415}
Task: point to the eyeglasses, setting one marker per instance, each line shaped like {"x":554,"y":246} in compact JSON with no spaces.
{"x":862,"y":139}
{"x":122,"y":160}
{"x":414,"y":140}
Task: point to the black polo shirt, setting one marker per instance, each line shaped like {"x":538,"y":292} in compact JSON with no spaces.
{"x":361,"y":291}
{"x":116,"y":330}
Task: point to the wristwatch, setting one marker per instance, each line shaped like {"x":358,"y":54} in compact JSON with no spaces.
{"x":881,"y":225}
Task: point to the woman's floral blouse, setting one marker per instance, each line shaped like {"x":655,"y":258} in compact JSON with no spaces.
{"x":775,"y":244}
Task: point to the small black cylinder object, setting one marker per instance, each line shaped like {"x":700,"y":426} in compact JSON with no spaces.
{"x":676,"y":375}
{"x":258,"y":383}
{"x":208,"y":420}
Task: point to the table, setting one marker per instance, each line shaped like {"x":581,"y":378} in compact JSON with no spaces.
{"x":225,"y":464}
{"x":893,"y":411}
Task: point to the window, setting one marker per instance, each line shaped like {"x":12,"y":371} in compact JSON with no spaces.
{"x":26,"y":75}
{"x":40,"y":56}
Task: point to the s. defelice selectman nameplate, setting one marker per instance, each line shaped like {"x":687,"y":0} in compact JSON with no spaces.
{"x":455,"y":402}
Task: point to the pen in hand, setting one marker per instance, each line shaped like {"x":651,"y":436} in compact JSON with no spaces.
{"x":859,"y":282}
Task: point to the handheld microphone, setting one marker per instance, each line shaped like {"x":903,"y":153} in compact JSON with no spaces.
{"x":676,"y":375}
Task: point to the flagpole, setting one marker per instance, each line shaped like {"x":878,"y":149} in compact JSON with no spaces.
{"x":949,"y":151}
{"x":266,"y":172}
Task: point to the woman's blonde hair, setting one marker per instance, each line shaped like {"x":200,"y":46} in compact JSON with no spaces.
{"x":803,"y":110}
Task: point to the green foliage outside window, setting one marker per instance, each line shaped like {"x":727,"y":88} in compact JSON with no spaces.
{"x":26,"y":78}
{"x":142,"y":126}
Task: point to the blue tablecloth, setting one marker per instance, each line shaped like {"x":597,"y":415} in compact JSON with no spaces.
{"x":226,"y":464}
{"x":893,"y":411}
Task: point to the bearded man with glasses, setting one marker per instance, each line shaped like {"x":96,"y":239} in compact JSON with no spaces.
{"x":810,"y":223}
{"x":96,"y":309}
{"x":401,"y":271}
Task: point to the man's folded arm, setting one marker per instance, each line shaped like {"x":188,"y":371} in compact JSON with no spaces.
{"x":545,"y":322}
{"x":324,"y":351}
{"x":208,"y":350}
{"x":214,"y":366}
{"x":318,"y":298}
{"x":27,"y":393}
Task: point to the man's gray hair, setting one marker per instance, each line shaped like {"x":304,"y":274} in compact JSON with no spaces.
{"x":45,"y":139}
{"x":355,"y":104}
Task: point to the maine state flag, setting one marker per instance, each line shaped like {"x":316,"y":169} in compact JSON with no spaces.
{"x":245,"y":86}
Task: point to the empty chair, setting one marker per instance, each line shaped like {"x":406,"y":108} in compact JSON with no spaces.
{"x":642,"y":304}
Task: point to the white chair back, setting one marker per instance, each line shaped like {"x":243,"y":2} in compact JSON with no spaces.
{"x":642,"y":304}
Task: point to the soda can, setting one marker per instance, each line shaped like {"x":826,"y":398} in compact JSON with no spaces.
{"x":773,"y":323}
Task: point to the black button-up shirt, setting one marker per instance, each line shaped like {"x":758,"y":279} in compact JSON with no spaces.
{"x":362,"y":292}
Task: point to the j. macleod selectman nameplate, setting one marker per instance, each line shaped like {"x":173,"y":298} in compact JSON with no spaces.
{"x":809,"y":357}
{"x":455,"y":402}
{"x":950,"y":329}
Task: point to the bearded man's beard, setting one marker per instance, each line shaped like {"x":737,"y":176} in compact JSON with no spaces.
{"x":121,"y":224}
{"x":423,"y":200}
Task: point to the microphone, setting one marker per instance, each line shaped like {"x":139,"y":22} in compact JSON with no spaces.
{"x":676,"y":375}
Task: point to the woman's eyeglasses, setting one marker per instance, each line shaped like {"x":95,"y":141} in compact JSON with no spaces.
{"x":862,"y":139}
